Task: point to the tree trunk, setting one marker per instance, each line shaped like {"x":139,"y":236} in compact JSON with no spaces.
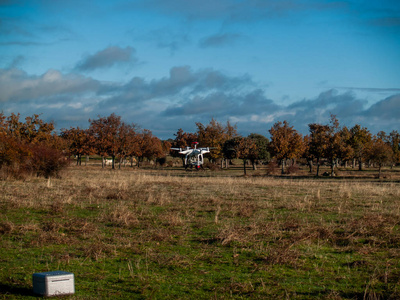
{"x":359,"y":164}
{"x":354,"y":163}
{"x":317,"y":166}
{"x":283,"y":166}
{"x":102,"y":162}
{"x":113,"y":162}
{"x":310,"y":164}
{"x":244,"y":166}
{"x":332,"y":167}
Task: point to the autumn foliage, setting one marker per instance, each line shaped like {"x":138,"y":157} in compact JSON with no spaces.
{"x":286,"y":143}
{"x":214,"y":135}
{"x":29,"y":147}
{"x":111,"y":137}
{"x":79,"y":142}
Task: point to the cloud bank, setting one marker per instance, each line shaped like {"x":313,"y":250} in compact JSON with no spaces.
{"x":182,"y":98}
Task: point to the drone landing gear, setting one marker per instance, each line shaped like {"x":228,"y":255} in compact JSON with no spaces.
{"x":196,"y":167}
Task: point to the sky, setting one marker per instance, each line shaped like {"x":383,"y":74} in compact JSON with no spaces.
{"x":167,"y":64}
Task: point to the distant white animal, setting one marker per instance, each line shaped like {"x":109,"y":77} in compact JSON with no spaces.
{"x":108,"y":162}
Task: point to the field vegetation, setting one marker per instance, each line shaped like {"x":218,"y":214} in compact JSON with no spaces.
{"x":165,"y":233}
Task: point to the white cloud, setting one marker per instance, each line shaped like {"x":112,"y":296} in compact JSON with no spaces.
{"x":17,"y":85}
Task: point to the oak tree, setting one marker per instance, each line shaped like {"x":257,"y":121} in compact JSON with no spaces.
{"x":30,"y":147}
{"x":286,"y":143}
{"x":318,"y":142}
{"x":261,"y":153}
{"x":105,"y":131}
{"x":150,"y":146}
{"x":79,"y":141}
{"x":380,"y":153}
{"x":360,"y":142}
{"x":394,"y":142}
{"x":214,"y":136}
{"x":243,"y":148}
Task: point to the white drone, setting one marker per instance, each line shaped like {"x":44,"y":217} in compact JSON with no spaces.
{"x":193,"y":156}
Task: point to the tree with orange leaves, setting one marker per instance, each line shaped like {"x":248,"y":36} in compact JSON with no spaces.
{"x":33,"y":130}
{"x":105,"y":131}
{"x":318,"y":143}
{"x":80,"y":142}
{"x":380,"y":153}
{"x":214,"y":136}
{"x":29,"y":147}
{"x":329,"y":141}
{"x":360,"y":141}
{"x":128,"y":141}
{"x":346,"y":152}
{"x":184,"y":139}
{"x":286,"y":143}
{"x":150,"y":146}
{"x":394,"y":142}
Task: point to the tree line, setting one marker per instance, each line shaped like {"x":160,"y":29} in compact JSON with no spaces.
{"x":111,"y":137}
{"x":329,"y":142}
{"x":33,"y":146}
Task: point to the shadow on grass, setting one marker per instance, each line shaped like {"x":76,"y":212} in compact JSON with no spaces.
{"x":6,"y":289}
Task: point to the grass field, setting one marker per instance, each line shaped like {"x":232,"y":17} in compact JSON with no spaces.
{"x":170,"y":234}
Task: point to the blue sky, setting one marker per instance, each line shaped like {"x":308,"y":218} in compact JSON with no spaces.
{"x":166,"y":64}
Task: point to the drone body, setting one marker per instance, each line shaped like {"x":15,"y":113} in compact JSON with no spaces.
{"x":193,"y":156}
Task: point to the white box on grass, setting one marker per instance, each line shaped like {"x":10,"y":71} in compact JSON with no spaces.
{"x":53,"y":283}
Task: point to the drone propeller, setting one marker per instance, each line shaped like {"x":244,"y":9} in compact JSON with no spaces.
{"x":202,"y":150}
{"x":186,"y":151}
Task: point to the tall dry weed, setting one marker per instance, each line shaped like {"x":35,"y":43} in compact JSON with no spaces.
{"x":98,"y":250}
{"x":120,"y":215}
{"x":171,"y":219}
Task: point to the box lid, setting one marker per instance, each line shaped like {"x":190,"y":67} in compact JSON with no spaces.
{"x":51,"y":273}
